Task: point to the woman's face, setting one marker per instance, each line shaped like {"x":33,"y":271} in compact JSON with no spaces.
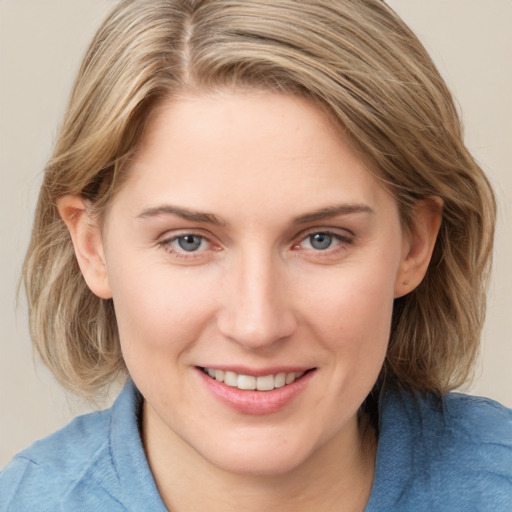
{"x":250,"y":244}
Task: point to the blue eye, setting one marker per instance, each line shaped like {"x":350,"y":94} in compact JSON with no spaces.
{"x":189,"y":243}
{"x":189,"y":247}
{"x":320,"y":241}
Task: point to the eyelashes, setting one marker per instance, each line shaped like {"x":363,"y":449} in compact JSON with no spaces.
{"x":188,"y":246}
{"x":323,"y":241}
{"x":318,"y":243}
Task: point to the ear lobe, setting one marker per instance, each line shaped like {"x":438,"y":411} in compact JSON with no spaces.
{"x":86,"y":236}
{"x":419,"y":245}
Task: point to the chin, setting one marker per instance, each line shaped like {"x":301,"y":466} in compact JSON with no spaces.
{"x":271,"y":455}
{"x":260,"y":464}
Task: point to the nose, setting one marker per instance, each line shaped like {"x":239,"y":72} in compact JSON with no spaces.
{"x":256,"y":310}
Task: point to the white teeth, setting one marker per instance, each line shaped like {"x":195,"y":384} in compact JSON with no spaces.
{"x":280,"y":380}
{"x":265,"y":383}
{"x":249,"y":382}
{"x":246,"y":382}
{"x":230,"y":379}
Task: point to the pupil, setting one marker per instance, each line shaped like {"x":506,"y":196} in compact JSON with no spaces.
{"x":320,"y":241}
{"x":189,"y":242}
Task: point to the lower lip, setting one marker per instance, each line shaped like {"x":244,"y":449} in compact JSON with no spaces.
{"x":256,"y":402}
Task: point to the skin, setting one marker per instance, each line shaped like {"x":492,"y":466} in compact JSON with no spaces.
{"x":257,"y":293}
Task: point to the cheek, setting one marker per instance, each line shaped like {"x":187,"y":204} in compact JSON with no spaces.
{"x":356,"y":296}
{"x":352,"y":314}
{"x":351,"y":317}
{"x":158,"y":311}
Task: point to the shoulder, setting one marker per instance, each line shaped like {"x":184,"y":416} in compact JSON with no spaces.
{"x":470,"y":436}
{"x":40,"y":475}
{"x":466,"y":426}
{"x":479,"y":432}
{"x":454,"y":417}
{"x":451,"y":452}
{"x":477,"y":420}
{"x":79,"y":467}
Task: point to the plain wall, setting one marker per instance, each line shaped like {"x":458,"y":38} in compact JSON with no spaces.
{"x":41,"y":43}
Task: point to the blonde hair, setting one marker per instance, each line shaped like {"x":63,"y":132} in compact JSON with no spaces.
{"x":355,"y":58}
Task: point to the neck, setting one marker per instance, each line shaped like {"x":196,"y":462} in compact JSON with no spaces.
{"x":337,"y":477}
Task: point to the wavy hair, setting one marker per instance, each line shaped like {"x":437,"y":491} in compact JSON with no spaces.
{"x":355,"y":58}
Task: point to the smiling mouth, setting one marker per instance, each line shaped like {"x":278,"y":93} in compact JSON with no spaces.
{"x":252,"y":383}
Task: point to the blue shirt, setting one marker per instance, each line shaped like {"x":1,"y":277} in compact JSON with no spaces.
{"x":442,"y":455}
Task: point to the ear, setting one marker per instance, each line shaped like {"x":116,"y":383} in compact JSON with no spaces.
{"x":86,"y":237}
{"x":419,"y":245}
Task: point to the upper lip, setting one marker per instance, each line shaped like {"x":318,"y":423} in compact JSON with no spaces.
{"x":259,"y":372}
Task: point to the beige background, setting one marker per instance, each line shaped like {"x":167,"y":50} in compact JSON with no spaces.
{"x":41,"y":42}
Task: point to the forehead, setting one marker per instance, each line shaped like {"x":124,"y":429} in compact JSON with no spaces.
{"x":240,"y":118}
{"x":242,"y":147}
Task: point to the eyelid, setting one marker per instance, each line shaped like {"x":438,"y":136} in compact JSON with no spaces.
{"x":344,"y":235}
{"x":167,"y":240}
{"x":331,"y":254}
{"x":172,"y":234}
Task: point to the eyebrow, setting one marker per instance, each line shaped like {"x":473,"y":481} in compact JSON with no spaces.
{"x":184,"y":213}
{"x":209,"y":218}
{"x":333,"y":211}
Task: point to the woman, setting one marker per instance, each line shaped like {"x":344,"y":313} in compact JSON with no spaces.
{"x":263,"y":213}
